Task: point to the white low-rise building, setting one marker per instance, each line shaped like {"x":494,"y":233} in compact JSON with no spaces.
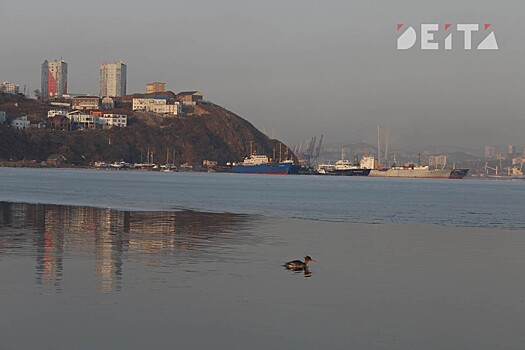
{"x":155,"y":105}
{"x":82,"y":120}
{"x":20,"y":123}
{"x":94,"y":121}
{"x":54,"y":112}
{"x":110,"y":119}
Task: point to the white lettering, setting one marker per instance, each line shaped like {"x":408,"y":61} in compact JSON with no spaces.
{"x":468,"y":29}
{"x":427,"y":36}
{"x":407,"y":39}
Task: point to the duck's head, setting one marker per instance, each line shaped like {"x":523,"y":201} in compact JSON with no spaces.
{"x":307,"y":259}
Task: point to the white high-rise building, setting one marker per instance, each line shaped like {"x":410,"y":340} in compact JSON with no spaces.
{"x":54,"y":78}
{"x":113,"y":79}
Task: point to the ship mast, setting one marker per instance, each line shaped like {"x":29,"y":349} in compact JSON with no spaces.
{"x":378,"y":149}
{"x":386,"y":146}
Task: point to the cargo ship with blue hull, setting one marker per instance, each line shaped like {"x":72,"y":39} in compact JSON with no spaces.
{"x":260,"y":164}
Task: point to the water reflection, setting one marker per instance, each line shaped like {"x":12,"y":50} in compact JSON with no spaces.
{"x":111,"y":237}
{"x":306,"y":271}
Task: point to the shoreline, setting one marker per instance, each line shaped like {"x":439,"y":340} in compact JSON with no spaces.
{"x":33,"y":164}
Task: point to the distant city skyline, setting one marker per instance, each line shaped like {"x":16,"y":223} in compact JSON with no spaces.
{"x":299,"y":68}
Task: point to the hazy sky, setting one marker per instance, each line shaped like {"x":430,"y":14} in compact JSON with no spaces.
{"x":300,"y":67}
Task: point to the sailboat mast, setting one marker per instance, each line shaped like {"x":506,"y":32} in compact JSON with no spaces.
{"x":378,"y":148}
{"x":386,"y":146}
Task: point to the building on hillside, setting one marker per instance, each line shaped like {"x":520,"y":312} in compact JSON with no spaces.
{"x":152,"y":88}
{"x":156,"y":105}
{"x":97,"y":113}
{"x":53,"y":79}
{"x":56,"y":159}
{"x":54,"y":112}
{"x":113,"y":79}
{"x":81,"y":120}
{"x":96,"y":120}
{"x":59,"y":122}
{"x":9,"y":88}
{"x":3,"y":117}
{"x":190,"y":97}
{"x":20,"y":123}
{"x":109,"y":120}
{"x":86,"y":103}
{"x":60,"y":104}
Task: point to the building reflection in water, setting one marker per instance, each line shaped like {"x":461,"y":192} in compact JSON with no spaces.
{"x":110,"y":237}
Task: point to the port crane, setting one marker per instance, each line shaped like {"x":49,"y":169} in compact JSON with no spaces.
{"x":318,"y":149}
{"x":311,"y":146}
{"x":487,"y":167}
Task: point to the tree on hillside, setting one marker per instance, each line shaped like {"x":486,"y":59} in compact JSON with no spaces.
{"x":38,"y":94}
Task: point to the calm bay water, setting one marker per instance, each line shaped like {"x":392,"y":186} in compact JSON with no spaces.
{"x":192,"y":261}
{"x":348,"y":199}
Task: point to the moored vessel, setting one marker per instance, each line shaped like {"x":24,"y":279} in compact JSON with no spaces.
{"x":343,"y":167}
{"x":412,"y":170}
{"x":419,"y":171}
{"x":260,"y":164}
{"x":458,"y":173}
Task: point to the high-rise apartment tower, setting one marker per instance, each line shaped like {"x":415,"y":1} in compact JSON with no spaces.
{"x":54,"y":79}
{"x":113,"y":79}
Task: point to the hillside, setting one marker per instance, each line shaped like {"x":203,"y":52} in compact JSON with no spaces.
{"x":213,"y":133}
